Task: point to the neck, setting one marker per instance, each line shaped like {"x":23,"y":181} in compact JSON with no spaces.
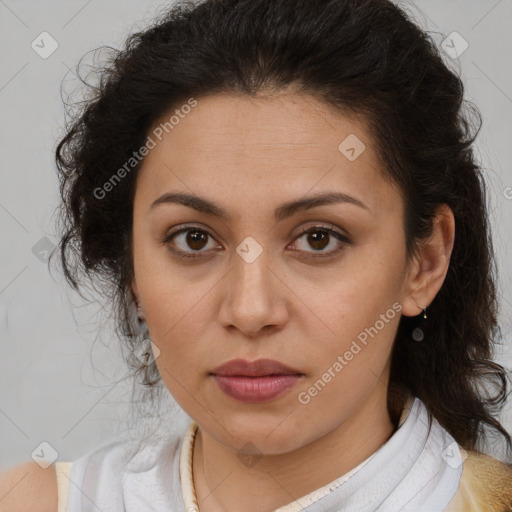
{"x":223,"y":483}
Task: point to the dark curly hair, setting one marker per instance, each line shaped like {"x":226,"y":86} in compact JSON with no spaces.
{"x":363,"y":57}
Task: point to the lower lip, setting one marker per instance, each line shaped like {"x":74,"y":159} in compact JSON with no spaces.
{"x":256,"y":389}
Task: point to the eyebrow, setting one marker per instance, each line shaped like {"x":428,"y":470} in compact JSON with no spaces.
{"x":284,"y":211}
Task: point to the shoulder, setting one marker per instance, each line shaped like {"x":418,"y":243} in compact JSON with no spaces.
{"x":119,"y":456}
{"x":486,"y":484}
{"x":122,"y":472}
{"x":118,"y":470}
{"x":28,"y":487}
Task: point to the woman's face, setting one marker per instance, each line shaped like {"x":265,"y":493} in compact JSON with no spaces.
{"x":325,"y":304}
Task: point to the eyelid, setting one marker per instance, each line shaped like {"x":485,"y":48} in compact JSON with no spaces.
{"x":318,"y":225}
{"x":183,"y":228}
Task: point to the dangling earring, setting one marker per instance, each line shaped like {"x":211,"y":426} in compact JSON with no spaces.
{"x":418,"y":334}
{"x":146,"y":352}
{"x":142,"y":321}
{"x":140,"y":312}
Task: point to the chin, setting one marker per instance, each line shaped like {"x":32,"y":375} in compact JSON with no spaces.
{"x":269,"y":436}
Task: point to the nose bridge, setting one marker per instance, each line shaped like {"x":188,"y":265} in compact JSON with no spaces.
{"x":251,"y":295}
{"x":251,"y":272}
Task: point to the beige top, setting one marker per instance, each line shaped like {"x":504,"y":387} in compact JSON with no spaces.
{"x":62,"y":470}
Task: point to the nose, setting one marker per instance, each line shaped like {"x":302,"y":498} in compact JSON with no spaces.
{"x":254,"y":297}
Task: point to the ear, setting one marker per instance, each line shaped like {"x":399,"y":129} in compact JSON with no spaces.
{"x":428,"y":269}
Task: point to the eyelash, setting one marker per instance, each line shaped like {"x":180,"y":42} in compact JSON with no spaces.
{"x":312,"y":229}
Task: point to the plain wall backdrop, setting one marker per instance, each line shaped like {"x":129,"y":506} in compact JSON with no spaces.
{"x":60,"y":382}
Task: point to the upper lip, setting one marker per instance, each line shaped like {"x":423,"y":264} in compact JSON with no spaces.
{"x":256,"y":368}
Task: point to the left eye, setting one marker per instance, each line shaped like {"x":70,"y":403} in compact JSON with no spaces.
{"x":320,"y":237}
{"x":317,"y":237}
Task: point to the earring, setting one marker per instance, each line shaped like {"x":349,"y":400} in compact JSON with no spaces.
{"x":140,"y":312}
{"x":418,"y":334}
{"x":143,"y":326}
{"x":145,"y":351}
{"x":142,"y":322}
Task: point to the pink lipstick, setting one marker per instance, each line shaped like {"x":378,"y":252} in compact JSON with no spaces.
{"x":256,"y":381}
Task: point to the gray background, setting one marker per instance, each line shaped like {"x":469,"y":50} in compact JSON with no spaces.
{"x":61,"y":379}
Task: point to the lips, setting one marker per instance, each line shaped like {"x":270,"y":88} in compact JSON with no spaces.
{"x":256,"y":381}
{"x":258,"y":368}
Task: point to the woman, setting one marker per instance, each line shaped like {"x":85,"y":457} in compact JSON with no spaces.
{"x":283,"y":193}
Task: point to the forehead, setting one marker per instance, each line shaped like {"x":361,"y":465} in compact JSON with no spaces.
{"x":255,"y":149}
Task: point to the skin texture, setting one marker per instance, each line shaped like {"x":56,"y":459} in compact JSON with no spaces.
{"x":28,"y":487}
{"x":250,"y":155}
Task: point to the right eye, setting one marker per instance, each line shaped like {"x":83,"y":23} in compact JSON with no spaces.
{"x":187,"y":238}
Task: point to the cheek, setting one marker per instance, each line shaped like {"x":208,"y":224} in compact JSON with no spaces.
{"x":179,"y":365}
{"x":365,"y":289}
{"x":357,"y":315}
{"x":349,"y":358}
{"x":180,"y":320}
